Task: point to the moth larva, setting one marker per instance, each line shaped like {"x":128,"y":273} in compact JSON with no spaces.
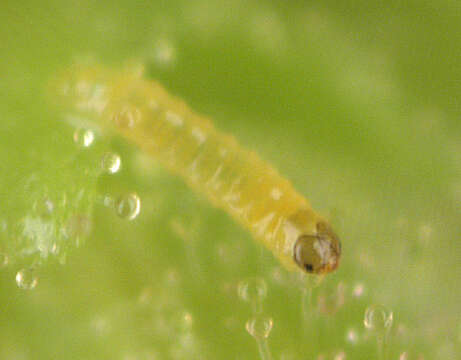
{"x":211,"y":162}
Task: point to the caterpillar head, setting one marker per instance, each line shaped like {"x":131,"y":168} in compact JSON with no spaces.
{"x":318,"y":253}
{"x":316,"y":249}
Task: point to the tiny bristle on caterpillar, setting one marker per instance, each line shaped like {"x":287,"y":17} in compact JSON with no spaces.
{"x":231,"y":177}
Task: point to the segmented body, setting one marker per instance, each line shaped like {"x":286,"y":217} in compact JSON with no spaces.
{"x":211,"y":162}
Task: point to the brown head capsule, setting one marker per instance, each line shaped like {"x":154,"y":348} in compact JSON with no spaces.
{"x":318,"y":253}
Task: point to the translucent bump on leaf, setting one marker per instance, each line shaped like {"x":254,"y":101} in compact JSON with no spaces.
{"x":26,"y":279}
{"x":259,"y":326}
{"x":378,"y":318}
{"x":128,"y":206}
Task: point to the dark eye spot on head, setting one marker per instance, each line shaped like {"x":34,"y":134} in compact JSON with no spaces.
{"x":309,"y":268}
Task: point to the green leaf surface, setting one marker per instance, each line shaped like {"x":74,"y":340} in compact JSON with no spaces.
{"x":357,"y":103}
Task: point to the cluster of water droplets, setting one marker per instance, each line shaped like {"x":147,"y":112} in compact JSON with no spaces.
{"x":253,"y":291}
{"x":58,"y":219}
{"x":53,"y":222}
{"x":321,"y":304}
{"x":127,"y":205}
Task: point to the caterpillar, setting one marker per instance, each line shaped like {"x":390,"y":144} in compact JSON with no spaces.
{"x":213,"y":163}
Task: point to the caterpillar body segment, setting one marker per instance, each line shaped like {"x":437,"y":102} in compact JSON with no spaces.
{"x":211,"y":162}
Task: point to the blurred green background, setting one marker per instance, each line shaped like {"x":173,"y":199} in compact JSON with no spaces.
{"x":356,"y":102}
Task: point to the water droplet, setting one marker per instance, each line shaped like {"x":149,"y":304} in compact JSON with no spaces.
{"x":378,"y":318}
{"x":111,"y":162}
{"x":252,"y":289}
{"x":83,"y":137}
{"x":127,"y":117}
{"x":4,"y":260}
{"x":26,"y":279}
{"x":128,"y":206}
{"x":259,"y":326}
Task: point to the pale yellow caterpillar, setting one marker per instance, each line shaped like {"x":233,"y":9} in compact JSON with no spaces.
{"x":211,"y":162}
